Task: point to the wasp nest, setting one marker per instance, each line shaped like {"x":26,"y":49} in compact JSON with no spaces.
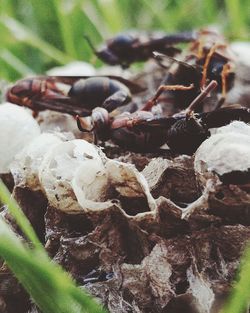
{"x":222,"y":170}
{"x":144,"y":232}
{"x":17,"y":124}
{"x":121,"y":232}
{"x":166,"y":239}
{"x":77,"y":176}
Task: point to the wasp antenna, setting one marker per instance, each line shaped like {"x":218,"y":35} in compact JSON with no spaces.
{"x":211,"y":86}
{"x":86,"y":37}
{"x":151,"y":102}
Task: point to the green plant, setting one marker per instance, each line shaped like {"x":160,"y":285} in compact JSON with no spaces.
{"x":239,"y":299}
{"x":37,"y":35}
{"x":50,"y":287}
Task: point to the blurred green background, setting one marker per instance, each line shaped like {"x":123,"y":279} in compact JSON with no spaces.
{"x":39,"y":34}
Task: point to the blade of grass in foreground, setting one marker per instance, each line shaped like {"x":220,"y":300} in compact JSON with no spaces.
{"x":50,"y":287}
{"x":240,"y":297}
{"x":19,"y":216}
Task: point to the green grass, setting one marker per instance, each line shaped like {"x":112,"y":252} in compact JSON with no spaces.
{"x":37,"y":35}
{"x":239,"y":300}
{"x":50,"y":287}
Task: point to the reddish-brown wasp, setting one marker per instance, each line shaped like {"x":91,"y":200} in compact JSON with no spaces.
{"x":72,"y":95}
{"x":183,"y":132}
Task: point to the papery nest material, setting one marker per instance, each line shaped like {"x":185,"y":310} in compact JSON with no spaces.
{"x":26,"y":165}
{"x":51,"y":121}
{"x":77,"y":177}
{"x":17,"y":129}
{"x":222,"y":167}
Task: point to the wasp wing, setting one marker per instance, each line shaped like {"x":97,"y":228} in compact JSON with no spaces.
{"x":61,"y":105}
{"x":225,"y":116}
{"x":157,"y":122}
{"x":70,"y":80}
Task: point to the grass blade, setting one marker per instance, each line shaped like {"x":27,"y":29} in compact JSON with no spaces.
{"x":65,"y":29}
{"x":236,"y":18}
{"x":51,"y":288}
{"x":21,"y":33}
{"x":19,"y":216}
{"x":9,"y":58}
{"x":240,"y":296}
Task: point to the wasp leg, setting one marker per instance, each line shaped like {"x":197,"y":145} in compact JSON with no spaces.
{"x":224,"y":75}
{"x":219,"y":103}
{"x":116,"y":100}
{"x":83,"y":125}
{"x":130,"y":120}
{"x":35,"y":114}
{"x":95,"y":138}
{"x":150,"y":103}
{"x":212,"y":85}
{"x":207,"y":61}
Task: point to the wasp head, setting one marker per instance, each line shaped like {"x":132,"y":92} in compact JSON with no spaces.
{"x":99,"y":123}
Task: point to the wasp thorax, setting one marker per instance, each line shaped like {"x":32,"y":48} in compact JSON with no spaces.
{"x":121,"y":42}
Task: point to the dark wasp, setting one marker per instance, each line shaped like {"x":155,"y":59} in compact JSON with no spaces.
{"x":74,"y":95}
{"x":209,"y":58}
{"x":183,"y":132}
{"x":127,"y":48}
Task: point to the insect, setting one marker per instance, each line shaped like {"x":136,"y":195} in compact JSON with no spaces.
{"x":120,"y":128}
{"x":214,"y":55}
{"x":127,"y":48}
{"x":208,"y":59}
{"x":183,"y":132}
{"x":73,"y":95}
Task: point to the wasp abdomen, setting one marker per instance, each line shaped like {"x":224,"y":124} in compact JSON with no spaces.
{"x":92,"y":92}
{"x":185,"y":136}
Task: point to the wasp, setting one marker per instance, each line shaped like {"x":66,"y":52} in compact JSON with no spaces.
{"x":73,"y":95}
{"x":123,"y":129}
{"x":183,"y":132}
{"x":107,"y":127}
{"x":209,"y":58}
{"x":127,"y":48}
{"x":212,"y":53}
